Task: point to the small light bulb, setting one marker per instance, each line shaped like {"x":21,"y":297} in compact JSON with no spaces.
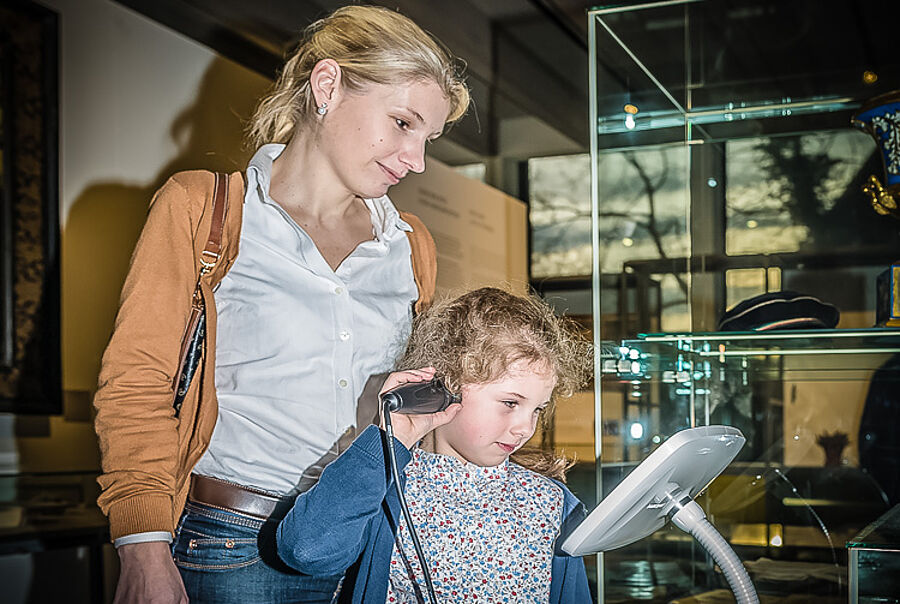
{"x":629,"y":121}
{"x":752,"y":224}
{"x":627,"y":241}
{"x":636,"y":430}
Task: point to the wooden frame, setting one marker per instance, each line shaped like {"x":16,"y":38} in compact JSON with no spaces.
{"x":30,"y":373}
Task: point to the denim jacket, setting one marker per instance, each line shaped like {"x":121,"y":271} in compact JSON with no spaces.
{"x":345,"y":523}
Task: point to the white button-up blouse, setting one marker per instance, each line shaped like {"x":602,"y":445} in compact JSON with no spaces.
{"x":296,"y":340}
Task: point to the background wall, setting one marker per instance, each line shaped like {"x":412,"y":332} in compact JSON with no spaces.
{"x":480,"y":232}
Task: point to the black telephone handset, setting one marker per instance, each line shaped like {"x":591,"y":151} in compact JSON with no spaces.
{"x":419,"y":397}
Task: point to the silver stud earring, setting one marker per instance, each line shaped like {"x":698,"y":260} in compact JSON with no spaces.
{"x":322,"y":109}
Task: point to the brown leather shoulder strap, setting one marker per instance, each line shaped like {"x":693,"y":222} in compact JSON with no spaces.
{"x":424,"y":260}
{"x":210,"y":253}
{"x":208,"y":258}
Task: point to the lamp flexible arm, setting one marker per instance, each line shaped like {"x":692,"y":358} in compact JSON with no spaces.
{"x":691,"y":519}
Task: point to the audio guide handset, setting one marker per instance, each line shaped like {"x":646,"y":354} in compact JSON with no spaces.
{"x":414,"y":398}
{"x":419,"y":397}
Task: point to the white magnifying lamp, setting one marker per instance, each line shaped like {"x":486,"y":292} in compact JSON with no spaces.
{"x":663,"y":488}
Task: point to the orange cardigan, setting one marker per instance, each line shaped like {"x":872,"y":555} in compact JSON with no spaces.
{"x":147,"y":453}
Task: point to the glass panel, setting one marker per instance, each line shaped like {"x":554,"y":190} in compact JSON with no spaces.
{"x":875,"y":560}
{"x":743,"y":283}
{"x":813,"y":354}
{"x":724,"y":167}
{"x":559,"y":190}
{"x":643,"y":233}
{"x":54,"y":503}
{"x":474,"y":171}
{"x":802,"y":193}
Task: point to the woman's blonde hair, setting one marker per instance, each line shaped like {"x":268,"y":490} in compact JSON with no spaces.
{"x":475,"y":338}
{"x":372,"y":45}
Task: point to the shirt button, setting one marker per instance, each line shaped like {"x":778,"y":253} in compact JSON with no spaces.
{"x":343,"y":383}
{"x":338,"y":290}
{"x":345,"y":335}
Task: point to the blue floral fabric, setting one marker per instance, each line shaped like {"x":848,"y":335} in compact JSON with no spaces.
{"x":488,"y":533}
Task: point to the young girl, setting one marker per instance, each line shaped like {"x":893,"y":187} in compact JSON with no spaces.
{"x":488,"y":526}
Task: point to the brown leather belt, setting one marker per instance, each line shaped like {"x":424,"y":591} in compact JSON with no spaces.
{"x":233,"y":497}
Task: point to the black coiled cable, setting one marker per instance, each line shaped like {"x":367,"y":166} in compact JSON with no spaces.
{"x":395,"y":472}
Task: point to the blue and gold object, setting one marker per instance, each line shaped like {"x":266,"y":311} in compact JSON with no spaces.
{"x":887,"y":297}
{"x":880,"y":117}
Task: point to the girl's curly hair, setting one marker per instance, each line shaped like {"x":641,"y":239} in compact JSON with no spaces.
{"x":476,"y":337}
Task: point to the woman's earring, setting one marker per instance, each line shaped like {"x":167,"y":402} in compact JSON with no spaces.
{"x":322,"y":109}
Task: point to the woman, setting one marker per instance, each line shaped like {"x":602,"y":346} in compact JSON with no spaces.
{"x":309,"y":308}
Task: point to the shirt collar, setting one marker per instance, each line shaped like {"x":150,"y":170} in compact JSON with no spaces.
{"x":259,"y":170}
{"x":386,"y":221}
{"x":460,"y":474}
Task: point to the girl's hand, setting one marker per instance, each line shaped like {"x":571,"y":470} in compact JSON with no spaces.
{"x":410,"y":429}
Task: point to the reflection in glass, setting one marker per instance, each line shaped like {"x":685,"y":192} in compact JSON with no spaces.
{"x":560,"y":215}
{"x":802,"y":193}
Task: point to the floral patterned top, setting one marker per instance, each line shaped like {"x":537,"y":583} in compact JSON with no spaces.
{"x":488,"y":533}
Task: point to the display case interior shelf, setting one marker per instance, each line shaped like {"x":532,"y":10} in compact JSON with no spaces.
{"x":820,"y":354}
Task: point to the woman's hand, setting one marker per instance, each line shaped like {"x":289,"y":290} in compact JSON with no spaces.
{"x":411,"y":428}
{"x":149,"y":575}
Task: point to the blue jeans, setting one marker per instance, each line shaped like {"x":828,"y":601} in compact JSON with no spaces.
{"x":227,"y":557}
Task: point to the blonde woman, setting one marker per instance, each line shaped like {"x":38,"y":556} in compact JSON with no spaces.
{"x":316,"y":276}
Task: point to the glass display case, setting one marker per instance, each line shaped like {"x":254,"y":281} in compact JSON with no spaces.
{"x":724,"y":167}
{"x":874,"y":561}
{"x":52,"y":537}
